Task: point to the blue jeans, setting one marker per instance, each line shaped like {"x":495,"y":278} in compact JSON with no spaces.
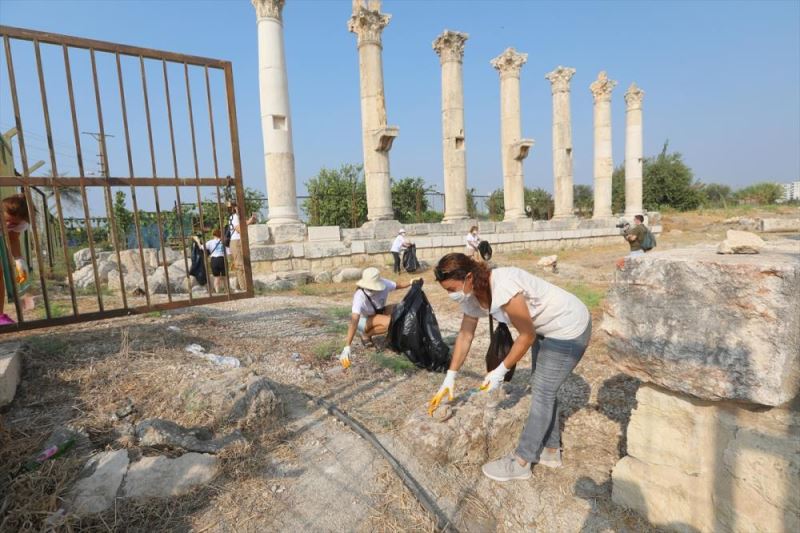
{"x":553,"y":361}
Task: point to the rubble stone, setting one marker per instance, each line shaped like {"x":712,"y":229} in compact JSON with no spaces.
{"x":157,"y":432}
{"x":347,"y":274}
{"x":10,"y":371}
{"x":740,"y":242}
{"x":162,"y":477}
{"x":779,"y":224}
{"x":101,"y":478}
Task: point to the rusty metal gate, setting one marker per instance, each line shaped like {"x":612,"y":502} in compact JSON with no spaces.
{"x":158,"y":185}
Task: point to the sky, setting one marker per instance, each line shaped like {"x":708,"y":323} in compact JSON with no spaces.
{"x":721,"y":81}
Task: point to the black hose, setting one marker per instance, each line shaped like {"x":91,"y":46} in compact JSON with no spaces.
{"x":443,"y":523}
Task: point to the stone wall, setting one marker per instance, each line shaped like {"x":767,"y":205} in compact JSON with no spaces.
{"x":714,"y":442}
{"x":325,"y":248}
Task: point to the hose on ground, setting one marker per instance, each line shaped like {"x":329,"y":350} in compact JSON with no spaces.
{"x":443,"y":523}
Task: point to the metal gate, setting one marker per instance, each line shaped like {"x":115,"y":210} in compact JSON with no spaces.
{"x":158,"y":190}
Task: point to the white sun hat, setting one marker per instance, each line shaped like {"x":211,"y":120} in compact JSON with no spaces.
{"x":401,"y":231}
{"x":371,"y":280}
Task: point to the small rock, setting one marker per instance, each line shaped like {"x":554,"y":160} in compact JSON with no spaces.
{"x":100,"y":480}
{"x":158,"y":432}
{"x":548,"y":260}
{"x":347,"y":274}
{"x":323,"y":277}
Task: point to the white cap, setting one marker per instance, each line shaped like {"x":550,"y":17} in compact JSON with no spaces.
{"x":401,"y":231}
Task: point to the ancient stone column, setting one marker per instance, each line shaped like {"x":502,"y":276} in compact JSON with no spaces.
{"x":276,"y":124}
{"x":562,"y":141}
{"x":367,"y":23}
{"x":450,"y":48}
{"x":603,"y":160}
{"x":513,"y":148}
{"x":633,"y":151}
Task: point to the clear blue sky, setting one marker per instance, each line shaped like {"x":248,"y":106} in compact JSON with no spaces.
{"x":722,"y":78}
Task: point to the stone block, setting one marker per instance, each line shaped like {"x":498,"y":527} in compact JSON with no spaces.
{"x":740,"y":242}
{"x":779,"y":224}
{"x":423,"y":242}
{"x":300,"y":277}
{"x":270,"y":252}
{"x":378,"y":246}
{"x":347,"y":274}
{"x":158,"y":433}
{"x":258,"y":234}
{"x":453,"y":240}
{"x":669,"y":499}
{"x":316,"y":250}
{"x":160,"y":477}
{"x":298,"y":249}
{"x":673,"y":430}
{"x":10,"y":371}
{"x":384,"y":229}
{"x":418,"y":229}
{"x":284,"y":233}
{"x":358,"y":247}
{"x":713,"y":326}
{"x":99,"y":484}
{"x":323,"y":277}
{"x":324,"y":233}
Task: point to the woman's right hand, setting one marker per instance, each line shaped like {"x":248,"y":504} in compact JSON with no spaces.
{"x":447,"y":388}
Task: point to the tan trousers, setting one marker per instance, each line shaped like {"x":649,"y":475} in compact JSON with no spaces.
{"x":238,"y":264}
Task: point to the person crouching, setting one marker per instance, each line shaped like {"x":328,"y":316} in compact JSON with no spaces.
{"x":370,"y":313}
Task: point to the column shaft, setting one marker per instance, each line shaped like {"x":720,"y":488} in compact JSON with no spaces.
{"x":633,"y":151}
{"x":562,"y":142}
{"x":367,"y":23}
{"x":276,"y":124}
{"x":603,"y":157}
{"x":450,"y":48}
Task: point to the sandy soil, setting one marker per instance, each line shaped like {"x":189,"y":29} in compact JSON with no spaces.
{"x":311,"y":473}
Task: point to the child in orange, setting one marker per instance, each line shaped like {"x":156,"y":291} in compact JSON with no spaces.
{"x":16,"y":217}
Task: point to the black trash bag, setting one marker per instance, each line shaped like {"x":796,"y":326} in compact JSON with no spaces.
{"x":485,"y":249}
{"x":499,"y":347}
{"x":414,"y":332}
{"x":410,"y":263}
{"x":198,"y":268}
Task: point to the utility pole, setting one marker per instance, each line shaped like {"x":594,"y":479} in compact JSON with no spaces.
{"x":101,"y":145}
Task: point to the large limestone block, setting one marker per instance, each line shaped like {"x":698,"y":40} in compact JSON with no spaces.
{"x":780,"y":224}
{"x":10,"y":371}
{"x":270,"y":252}
{"x":668,"y":498}
{"x":288,"y":233}
{"x":347,"y":274}
{"x":162,"y":477}
{"x":324,"y":233}
{"x":713,"y":326}
{"x":673,"y":430}
{"x":258,"y":234}
{"x":100,"y":481}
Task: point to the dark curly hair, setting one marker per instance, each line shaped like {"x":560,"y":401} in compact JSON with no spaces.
{"x":457,"y":266}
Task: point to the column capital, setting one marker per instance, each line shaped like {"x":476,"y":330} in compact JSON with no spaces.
{"x":367,"y":21}
{"x":509,"y":63}
{"x":634,"y":96}
{"x":449,"y":46}
{"x":560,"y":78}
{"x":602,"y":87}
{"x":269,"y":9}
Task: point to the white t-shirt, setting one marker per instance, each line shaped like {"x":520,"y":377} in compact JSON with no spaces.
{"x":556,"y":313}
{"x":361,"y":304}
{"x":397,"y":245}
{"x":215,"y":247}
{"x":472,"y":242}
{"x":234,"y":221}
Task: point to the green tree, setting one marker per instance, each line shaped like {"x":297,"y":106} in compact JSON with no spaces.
{"x":540,"y":202}
{"x":764,"y":193}
{"x":122,"y":217}
{"x":717,"y":195}
{"x":337,"y":197}
{"x":583,"y":198}
{"x":409,"y":202}
{"x":496,"y":205}
{"x":472,"y":207}
{"x":667,"y":182}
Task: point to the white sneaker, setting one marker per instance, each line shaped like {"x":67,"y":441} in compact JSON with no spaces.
{"x":550,"y":459}
{"x":506,"y":468}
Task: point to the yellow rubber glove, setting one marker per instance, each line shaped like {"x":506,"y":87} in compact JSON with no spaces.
{"x":448,"y":387}
{"x":22,"y":270}
{"x":344,"y":357}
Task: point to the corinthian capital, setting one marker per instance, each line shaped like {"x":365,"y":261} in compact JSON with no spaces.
{"x":450,"y":45}
{"x":509,"y":62}
{"x":634,"y":96}
{"x":559,"y":79}
{"x":367,"y":21}
{"x":268,"y":9}
{"x":601,"y":87}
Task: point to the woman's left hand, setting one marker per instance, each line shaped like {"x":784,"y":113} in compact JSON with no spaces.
{"x":494,"y":378}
